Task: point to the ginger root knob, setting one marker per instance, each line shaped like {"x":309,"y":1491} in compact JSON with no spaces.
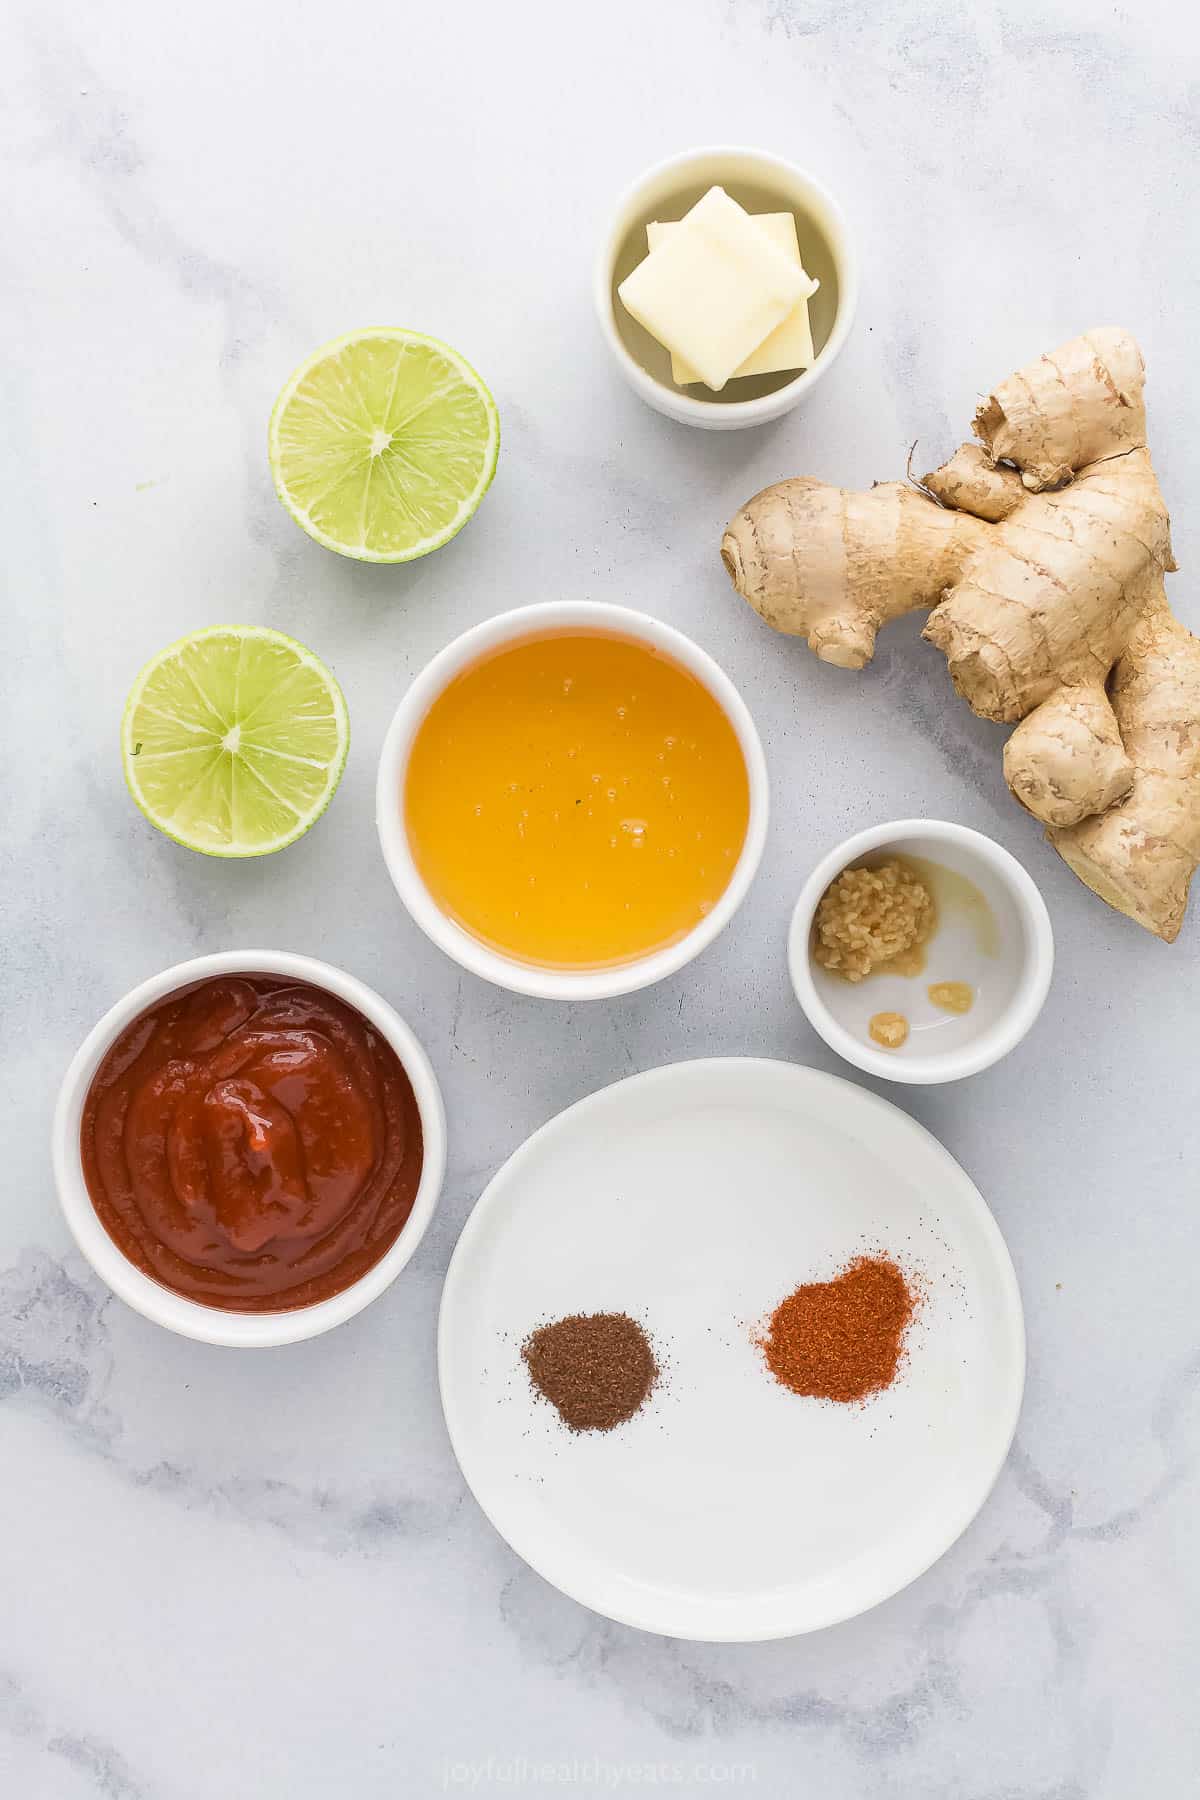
{"x":1040,"y":552}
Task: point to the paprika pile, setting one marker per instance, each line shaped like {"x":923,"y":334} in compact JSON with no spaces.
{"x":841,"y":1339}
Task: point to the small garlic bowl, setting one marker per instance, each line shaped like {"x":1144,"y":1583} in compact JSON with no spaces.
{"x":761,"y":183}
{"x":1002,"y":947}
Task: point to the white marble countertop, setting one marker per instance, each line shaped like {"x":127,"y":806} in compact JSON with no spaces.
{"x":260,"y":1575}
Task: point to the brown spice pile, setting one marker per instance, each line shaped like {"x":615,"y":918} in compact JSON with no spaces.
{"x":841,"y":1339}
{"x":596,"y":1368}
{"x":871,"y":916}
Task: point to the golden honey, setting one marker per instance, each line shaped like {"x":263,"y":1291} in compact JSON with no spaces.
{"x":576,"y":799}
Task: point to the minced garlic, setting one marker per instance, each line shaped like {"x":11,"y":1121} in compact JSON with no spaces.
{"x":889,"y":1029}
{"x":953,"y":996}
{"x":869,"y":917}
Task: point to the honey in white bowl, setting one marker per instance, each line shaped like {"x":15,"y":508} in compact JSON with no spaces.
{"x":576,"y":799}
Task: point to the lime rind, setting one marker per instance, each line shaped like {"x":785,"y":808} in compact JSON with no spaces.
{"x":218,"y":784}
{"x":355,"y":415}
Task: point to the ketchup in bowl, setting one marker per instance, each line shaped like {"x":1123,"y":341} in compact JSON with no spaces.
{"x":252,"y":1143}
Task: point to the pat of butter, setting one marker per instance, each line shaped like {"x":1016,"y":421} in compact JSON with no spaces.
{"x":790,"y":345}
{"x":714,"y":288}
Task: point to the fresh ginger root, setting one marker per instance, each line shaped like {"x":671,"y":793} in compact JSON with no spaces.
{"x":1041,"y":552}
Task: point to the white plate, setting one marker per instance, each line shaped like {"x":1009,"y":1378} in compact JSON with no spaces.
{"x":695,"y":1197}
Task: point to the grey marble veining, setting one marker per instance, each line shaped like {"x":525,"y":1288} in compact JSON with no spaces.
{"x":260,"y":1575}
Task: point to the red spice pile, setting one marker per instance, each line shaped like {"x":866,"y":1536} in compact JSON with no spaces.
{"x":841,"y":1339}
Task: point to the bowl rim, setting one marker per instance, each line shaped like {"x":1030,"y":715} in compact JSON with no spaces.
{"x":191,"y":1318}
{"x":732,"y":413}
{"x":469,"y":952}
{"x":1005,"y":1033}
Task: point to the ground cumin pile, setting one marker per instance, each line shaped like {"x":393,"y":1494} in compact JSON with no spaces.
{"x":841,"y":1339}
{"x":597,"y":1369}
{"x":871,"y":916}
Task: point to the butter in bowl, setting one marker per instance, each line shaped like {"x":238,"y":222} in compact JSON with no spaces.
{"x":725,"y":286}
{"x":725,"y":292}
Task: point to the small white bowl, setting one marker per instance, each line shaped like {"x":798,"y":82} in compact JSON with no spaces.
{"x":761,"y":183}
{"x":508,"y":971}
{"x":1011,"y":977}
{"x":210,"y":1324}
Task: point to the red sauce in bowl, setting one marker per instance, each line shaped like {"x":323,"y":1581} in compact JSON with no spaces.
{"x":252,"y":1143}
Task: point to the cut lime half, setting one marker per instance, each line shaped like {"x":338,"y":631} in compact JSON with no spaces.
{"x":234,"y":740}
{"x":383,"y":444}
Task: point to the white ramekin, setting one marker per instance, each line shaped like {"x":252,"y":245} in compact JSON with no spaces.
{"x":469,"y":952}
{"x":796,"y":191}
{"x":210,"y":1324}
{"x":1023,"y":965}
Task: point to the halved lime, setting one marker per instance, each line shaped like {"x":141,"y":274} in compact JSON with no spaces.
{"x":234,"y":740}
{"x":383,"y":444}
